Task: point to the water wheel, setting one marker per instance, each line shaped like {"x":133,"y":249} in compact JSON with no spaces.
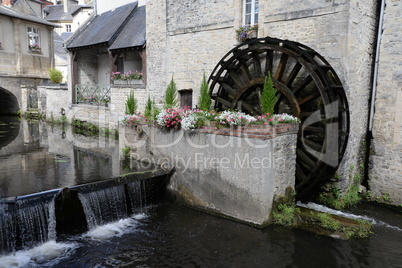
{"x":308,"y":88}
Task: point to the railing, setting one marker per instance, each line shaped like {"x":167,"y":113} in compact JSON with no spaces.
{"x":93,"y":94}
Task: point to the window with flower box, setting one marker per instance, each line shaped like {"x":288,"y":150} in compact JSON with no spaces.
{"x":33,"y":39}
{"x":250,"y":12}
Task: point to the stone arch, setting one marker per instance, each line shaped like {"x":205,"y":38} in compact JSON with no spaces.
{"x":8,"y":102}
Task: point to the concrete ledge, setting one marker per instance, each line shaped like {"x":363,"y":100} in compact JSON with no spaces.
{"x":239,"y":173}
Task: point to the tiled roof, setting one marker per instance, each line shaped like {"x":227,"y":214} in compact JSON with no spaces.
{"x":59,"y":49}
{"x":16,"y":14}
{"x":133,"y":33}
{"x":56,"y":12}
{"x":118,"y":28}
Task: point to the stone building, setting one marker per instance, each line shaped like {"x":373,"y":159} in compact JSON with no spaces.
{"x":187,"y":39}
{"x":385,"y":173}
{"x":26,"y":54}
{"x":68,"y":16}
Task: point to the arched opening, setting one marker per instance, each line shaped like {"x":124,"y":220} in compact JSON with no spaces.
{"x":8,"y":103}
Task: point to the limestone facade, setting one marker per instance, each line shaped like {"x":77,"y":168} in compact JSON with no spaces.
{"x":188,"y":38}
{"x":22,"y":67}
{"x":385,"y":176}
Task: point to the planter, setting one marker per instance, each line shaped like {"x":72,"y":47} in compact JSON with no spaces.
{"x":134,"y":82}
{"x":120,"y":82}
{"x":34,"y":50}
{"x":252,"y":35}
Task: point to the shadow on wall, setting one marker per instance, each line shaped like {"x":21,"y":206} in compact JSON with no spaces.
{"x":8,"y":103}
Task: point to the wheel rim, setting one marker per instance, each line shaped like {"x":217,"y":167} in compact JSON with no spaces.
{"x":308,"y":88}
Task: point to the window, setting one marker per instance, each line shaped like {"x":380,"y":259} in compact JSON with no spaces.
{"x":186,"y":98}
{"x":250,"y":12}
{"x":33,"y":38}
{"x":68,"y":28}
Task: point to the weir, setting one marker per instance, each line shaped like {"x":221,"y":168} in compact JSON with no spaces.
{"x":27,"y":221}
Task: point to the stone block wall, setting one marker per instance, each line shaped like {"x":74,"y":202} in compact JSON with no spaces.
{"x":51,"y":101}
{"x":87,"y":67}
{"x":187,"y":38}
{"x":385,"y":176}
{"x":343,"y":33}
{"x":233,"y":172}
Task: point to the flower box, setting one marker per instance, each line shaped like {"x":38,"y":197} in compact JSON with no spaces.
{"x":134,"y":82}
{"x":120,"y":82}
{"x":252,"y":35}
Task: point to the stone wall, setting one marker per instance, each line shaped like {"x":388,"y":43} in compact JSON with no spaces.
{"x":52,"y":98}
{"x":343,"y":33}
{"x":187,"y":38}
{"x":385,"y":177}
{"x":237,"y":172}
{"x":192,"y":37}
{"x":87,"y":67}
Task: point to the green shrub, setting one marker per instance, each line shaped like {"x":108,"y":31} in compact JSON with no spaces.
{"x":205,"y":98}
{"x":150,"y":110}
{"x":55,"y":76}
{"x":131,"y":104}
{"x":268,"y":96}
{"x":170,"y":95}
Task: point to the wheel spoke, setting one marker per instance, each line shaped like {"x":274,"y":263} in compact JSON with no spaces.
{"x":269,"y":62}
{"x":257,"y":65}
{"x":293,"y":74}
{"x":281,"y":67}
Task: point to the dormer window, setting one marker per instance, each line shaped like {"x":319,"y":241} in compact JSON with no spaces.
{"x":250,"y":12}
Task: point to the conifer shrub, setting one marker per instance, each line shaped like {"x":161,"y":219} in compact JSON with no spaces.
{"x":268,"y":96}
{"x":131,"y":104}
{"x":170,"y":95}
{"x":205,"y":98}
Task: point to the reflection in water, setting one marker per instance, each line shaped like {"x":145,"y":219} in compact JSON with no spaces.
{"x":9,"y":129}
{"x":37,"y":157}
{"x":170,"y":235}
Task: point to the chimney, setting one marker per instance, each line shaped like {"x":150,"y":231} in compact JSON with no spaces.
{"x":65,"y":3}
{"x":8,"y":3}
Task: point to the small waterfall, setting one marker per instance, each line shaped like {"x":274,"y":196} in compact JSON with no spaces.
{"x":7,"y":229}
{"x":137,"y":195}
{"x":103,"y":205}
{"x":26,"y":223}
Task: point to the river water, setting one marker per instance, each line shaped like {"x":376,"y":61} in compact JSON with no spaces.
{"x":167,"y":234}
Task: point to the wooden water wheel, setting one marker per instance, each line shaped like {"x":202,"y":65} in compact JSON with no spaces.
{"x":308,"y":88}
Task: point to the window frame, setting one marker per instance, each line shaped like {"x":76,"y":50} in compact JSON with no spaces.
{"x":32,"y":33}
{"x":253,"y":14}
{"x":68,"y":28}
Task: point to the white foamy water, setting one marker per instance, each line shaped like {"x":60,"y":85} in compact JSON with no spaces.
{"x":325,"y":209}
{"x":47,"y":252}
{"x":115,"y":229}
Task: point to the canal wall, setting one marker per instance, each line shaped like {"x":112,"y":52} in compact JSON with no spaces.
{"x":239,"y":172}
{"x":56,"y":101}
